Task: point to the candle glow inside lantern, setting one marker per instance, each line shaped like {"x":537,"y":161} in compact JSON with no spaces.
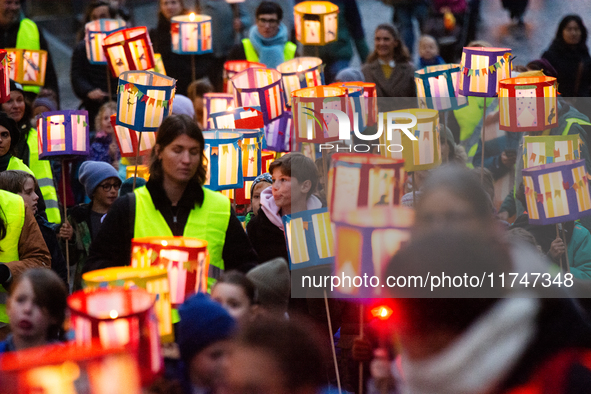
{"x":252,"y":143}
{"x":267,"y":158}
{"x":528,"y":104}
{"x":278,"y":133}
{"x":94,"y":37}
{"x":238,"y":118}
{"x":152,"y":279}
{"x":233,"y":67}
{"x":299,"y":73}
{"x":316,"y":22}
{"x":223,"y":154}
{"x":27,"y":66}
{"x":215,"y":103}
{"x":309,"y":237}
{"x":128,"y":50}
{"x":191,"y":34}
{"x":557,"y":192}
{"x":143,"y":171}
{"x":144,"y":99}
{"x":438,"y":87}
{"x":549,"y":149}
{"x":63,"y":133}
{"x":127,"y":140}
{"x":260,"y":87}
{"x":483,"y":69}
{"x":310,"y":125}
{"x":158,"y":64}
{"x":119,"y":317}
{"x":186,"y":260}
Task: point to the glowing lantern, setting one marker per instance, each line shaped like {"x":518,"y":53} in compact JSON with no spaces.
{"x":186,"y":260}
{"x":438,"y":87}
{"x":316,"y":22}
{"x":310,"y":125}
{"x":143,"y":171}
{"x":144,"y":99}
{"x":382,"y":312}
{"x":309,"y":237}
{"x":158,"y":64}
{"x":252,"y":142}
{"x":260,"y":87}
{"x":94,"y":37}
{"x":528,"y":104}
{"x":214,"y":103}
{"x":238,"y":118}
{"x":152,"y":279}
{"x":27,"y":66}
{"x":267,"y":158}
{"x":483,"y":69}
{"x":191,"y":34}
{"x":229,"y":193}
{"x":356,"y":106}
{"x":63,"y":133}
{"x":223,"y":153}
{"x":4,"y":77}
{"x":278,"y":133}
{"x":128,"y":140}
{"x":557,"y":192}
{"x":299,"y":73}
{"x":242,"y":196}
{"x":550,"y":149}
{"x":128,"y":50}
{"x":119,"y":317}
{"x":368,"y":105}
{"x":233,"y":67}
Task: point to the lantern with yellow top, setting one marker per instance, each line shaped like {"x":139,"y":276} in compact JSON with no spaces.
{"x":142,"y":171}
{"x":483,"y":69}
{"x":260,"y":87}
{"x":94,"y":37}
{"x":128,"y":140}
{"x":223,"y":155}
{"x":438,"y":87}
{"x":27,"y":66}
{"x":191,"y":34}
{"x":4,"y":77}
{"x":310,"y":125}
{"x":316,"y":22}
{"x":299,"y":73}
{"x":215,"y":103}
{"x":233,"y":67}
{"x":539,"y":150}
{"x":128,"y":50}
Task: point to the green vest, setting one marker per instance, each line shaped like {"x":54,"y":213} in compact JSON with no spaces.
{"x":13,"y":214}
{"x":17,"y":164}
{"x":570,"y":121}
{"x":289,"y":50}
{"x":28,"y":38}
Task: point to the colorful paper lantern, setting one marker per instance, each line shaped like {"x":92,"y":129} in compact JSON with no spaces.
{"x":438,"y":87}
{"x":186,"y":260}
{"x":309,"y":237}
{"x":267,"y":158}
{"x":128,"y":50}
{"x":144,"y":99}
{"x":128,"y":140}
{"x":252,"y":145}
{"x":359,"y":180}
{"x":191,"y":34}
{"x":230,"y":193}
{"x":550,"y":149}
{"x":223,"y":153}
{"x":310,"y":125}
{"x":316,"y":22}
{"x":419,"y":155}
{"x":143,"y":171}
{"x":278,"y":133}
{"x":483,"y":69}
{"x":159,"y":64}
{"x":528,"y":104}
{"x":215,"y":103}
{"x":368,"y":105}
{"x":356,"y":108}
{"x":557,"y":192}
{"x":299,"y":73}
{"x":94,"y":37}
{"x":27,"y":66}
{"x":233,"y":67}
{"x":63,"y":133}
{"x":260,"y":87}
{"x":4,"y":77}
{"x":119,"y":317}
{"x":238,"y":118}
{"x":152,"y":279}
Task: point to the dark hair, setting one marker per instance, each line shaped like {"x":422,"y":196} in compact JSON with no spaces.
{"x":173,"y":127}
{"x":559,"y":40}
{"x":198,"y":88}
{"x":14,"y":180}
{"x":269,"y":7}
{"x":239,"y":279}
{"x":401,"y":53}
{"x":89,"y":9}
{"x":298,"y":166}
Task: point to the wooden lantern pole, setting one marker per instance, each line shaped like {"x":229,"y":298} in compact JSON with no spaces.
{"x":137,"y":158}
{"x":193,"y":71}
{"x":66,"y":222}
{"x":414,"y":190}
{"x":332,"y":345}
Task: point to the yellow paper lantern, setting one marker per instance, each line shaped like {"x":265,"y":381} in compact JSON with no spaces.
{"x":309,"y":237}
{"x":483,"y":69}
{"x":299,"y":73}
{"x":143,"y":171}
{"x":158,"y":64}
{"x":128,"y":50}
{"x":539,"y":150}
{"x":316,"y":22}
{"x":223,"y":155}
{"x":94,"y":37}
{"x":27,"y":66}
{"x":310,"y":125}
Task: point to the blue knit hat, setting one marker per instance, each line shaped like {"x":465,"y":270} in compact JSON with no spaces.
{"x":203,"y":322}
{"x":264,"y":177}
{"x":92,"y":173}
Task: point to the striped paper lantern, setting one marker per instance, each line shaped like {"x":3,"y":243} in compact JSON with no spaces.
{"x":223,"y":155}
{"x":260,"y":87}
{"x":438,"y":87}
{"x":27,"y":66}
{"x":127,"y":140}
{"x":191,"y":34}
{"x":158,"y":64}
{"x":278,"y":133}
{"x":4,"y":77}
{"x":252,"y":146}
{"x":355,"y":106}
{"x":550,"y":149}
{"x":94,"y":37}
{"x":238,"y":118}
{"x":233,"y":67}
{"x":299,"y":73}
{"x":128,"y":50}
{"x":63,"y":134}
{"x":369,"y":104}
{"x":215,"y":103}
{"x":316,"y":22}
{"x":310,"y":125}
{"x":483,"y":69}
{"x":267,"y":158}
{"x":144,"y":99}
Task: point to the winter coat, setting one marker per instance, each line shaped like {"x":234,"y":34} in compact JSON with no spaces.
{"x":400,"y":84}
{"x":567,"y":61}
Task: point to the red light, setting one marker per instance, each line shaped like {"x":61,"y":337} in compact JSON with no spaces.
{"x":382,"y":312}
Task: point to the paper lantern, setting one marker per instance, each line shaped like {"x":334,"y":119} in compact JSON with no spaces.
{"x":185,"y":259}
{"x":128,"y":140}
{"x":119,"y":317}
{"x":310,"y":125}
{"x":368,"y":106}
{"x":223,"y":155}
{"x":267,"y":158}
{"x":550,"y":149}
{"x":94,"y":37}
{"x":260,"y":87}
{"x":143,"y":171}
{"x":27,"y":66}
{"x":278,"y":133}
{"x":237,"y":118}
{"x":4,"y":77}
{"x":483,"y":69}
{"x":144,"y":99}
{"x":299,"y":73}
{"x":233,"y":67}
{"x":438,"y":87}
{"x":252,"y":143}
{"x":191,"y":34}
{"x":159,"y":64}
{"x":152,"y":279}
{"x":63,"y":134}
{"x":365,"y":243}
{"x":215,"y":103}
{"x":528,"y":104}
{"x":69,"y":368}
{"x":309,"y":237}
{"x":129,"y":50}
{"x":316,"y":22}
{"x":356,"y":108}
{"x":230,"y":193}
{"x":359,"y":180}
{"x":419,"y":155}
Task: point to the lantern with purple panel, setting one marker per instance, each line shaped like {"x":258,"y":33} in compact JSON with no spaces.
{"x":213,"y":103}
{"x":233,"y":67}
{"x":278,"y":133}
{"x":94,"y":37}
{"x":260,"y":87}
{"x":483,"y":69}
{"x":63,"y":134}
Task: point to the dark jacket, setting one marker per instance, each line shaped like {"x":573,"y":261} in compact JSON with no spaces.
{"x":400,"y":84}
{"x":79,"y":246}
{"x":58,"y":261}
{"x":267,"y":239}
{"x":567,"y":61}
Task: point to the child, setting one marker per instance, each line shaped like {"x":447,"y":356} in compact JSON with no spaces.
{"x":196,"y":91}
{"x":103,"y":146}
{"x":260,"y":183}
{"x":36,"y":307}
{"x":429,"y":52}
{"x":236,"y":293}
{"x":271,"y":280}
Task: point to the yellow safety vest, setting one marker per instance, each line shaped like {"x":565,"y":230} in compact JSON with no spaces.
{"x":28,"y":38}
{"x":17,"y":164}
{"x":289,"y":50}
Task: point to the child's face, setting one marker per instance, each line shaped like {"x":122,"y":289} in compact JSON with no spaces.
{"x":287,"y":191}
{"x":28,"y":320}
{"x":207,"y":368}
{"x":106,"y":125}
{"x":428,"y":48}
{"x":28,"y":194}
{"x":233,"y":299}
{"x":255,"y":198}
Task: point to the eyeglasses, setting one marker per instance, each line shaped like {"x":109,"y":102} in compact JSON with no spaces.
{"x":108,"y":186}
{"x":270,"y":22}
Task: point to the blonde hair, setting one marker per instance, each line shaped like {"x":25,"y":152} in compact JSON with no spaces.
{"x":110,"y":105}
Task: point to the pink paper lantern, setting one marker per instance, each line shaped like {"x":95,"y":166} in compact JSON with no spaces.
{"x":129,"y":50}
{"x":260,"y":87}
{"x":233,"y":67}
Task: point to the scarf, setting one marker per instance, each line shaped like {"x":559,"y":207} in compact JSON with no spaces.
{"x":4,"y":161}
{"x":270,"y":50}
{"x":272,"y":210}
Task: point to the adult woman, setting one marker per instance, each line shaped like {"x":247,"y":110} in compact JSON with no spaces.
{"x":173,"y":202}
{"x":388,"y":66}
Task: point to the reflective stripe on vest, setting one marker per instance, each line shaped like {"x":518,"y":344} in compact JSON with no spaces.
{"x":28,"y":38}
{"x":569,"y":123}
{"x":208,"y":222}
{"x":289,"y":50}
{"x":13,"y":214}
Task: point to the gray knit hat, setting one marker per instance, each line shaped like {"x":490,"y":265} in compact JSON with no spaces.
{"x":272,"y":283}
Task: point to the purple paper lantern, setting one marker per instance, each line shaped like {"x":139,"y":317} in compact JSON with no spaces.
{"x":278,"y":133}
{"x":260,"y":87}
{"x":482,"y":69}
{"x":63,"y":133}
